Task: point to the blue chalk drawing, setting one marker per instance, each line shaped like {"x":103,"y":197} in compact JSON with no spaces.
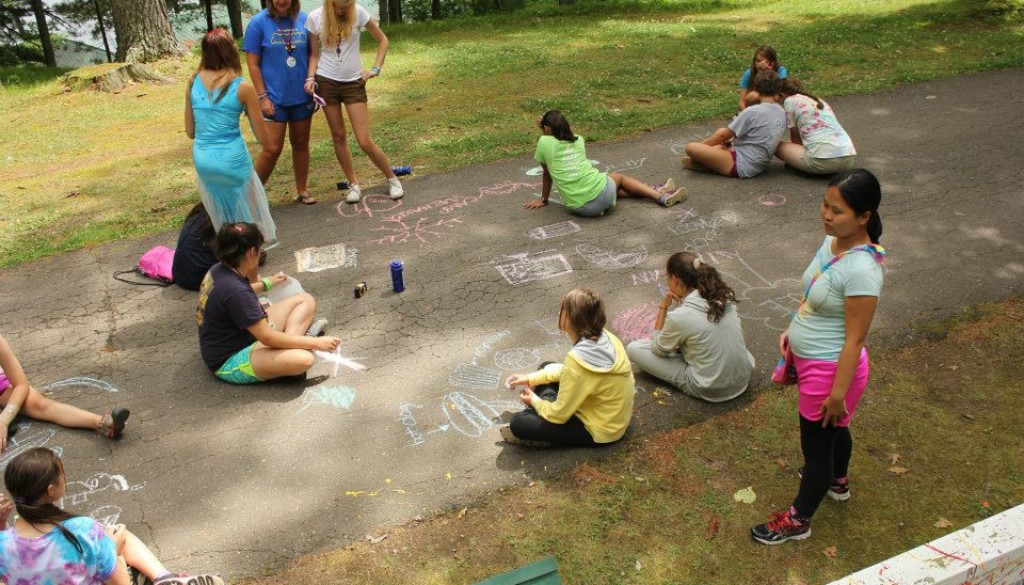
{"x":336,"y":396}
{"x":82,"y":381}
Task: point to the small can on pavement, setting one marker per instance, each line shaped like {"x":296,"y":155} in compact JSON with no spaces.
{"x":360,"y":289}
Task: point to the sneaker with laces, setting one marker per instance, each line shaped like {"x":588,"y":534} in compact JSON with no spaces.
{"x":667,"y":187}
{"x":189,"y":580}
{"x":112,"y":423}
{"x":395,"y":189}
{"x":839,"y":490}
{"x":511,"y":439}
{"x":690,"y":164}
{"x":355,"y":194}
{"x":317,"y":328}
{"x":670,"y":199}
{"x":782,"y":527}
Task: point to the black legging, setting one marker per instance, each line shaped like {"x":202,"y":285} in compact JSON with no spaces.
{"x":530,"y":426}
{"x":826,"y":456}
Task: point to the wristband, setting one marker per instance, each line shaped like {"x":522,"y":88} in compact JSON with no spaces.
{"x":375,"y":70}
{"x":311,"y":78}
{"x":267,"y":285}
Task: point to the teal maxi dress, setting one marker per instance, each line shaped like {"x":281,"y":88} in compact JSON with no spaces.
{"x":228,"y":184}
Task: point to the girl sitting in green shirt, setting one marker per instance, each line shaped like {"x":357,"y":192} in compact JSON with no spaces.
{"x":586,"y":191}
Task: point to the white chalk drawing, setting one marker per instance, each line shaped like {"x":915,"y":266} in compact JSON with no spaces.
{"x":636,"y":322}
{"x":772,"y":199}
{"x":549,"y":326}
{"x":407,"y":417}
{"x":627,"y":167}
{"x":322,"y":258}
{"x":522,"y":268}
{"x":488,"y":344}
{"x":555,"y":230}
{"x":472,"y":416}
{"x":371,"y":204}
{"x":612,"y":260}
{"x":696,"y":225}
{"x":770,"y":301}
{"x":701,"y":231}
{"x":106,"y":515}
{"x":81,"y":381}
{"x":538,"y":171}
{"x":517,"y":358}
{"x":77,"y":493}
{"x":334,"y":396}
{"x":678,"y":145}
{"x":474,"y":376}
{"x":24,"y":440}
{"x":351,"y":260}
{"x":335,"y":357}
{"x":422,"y":231}
{"x":652,"y":276}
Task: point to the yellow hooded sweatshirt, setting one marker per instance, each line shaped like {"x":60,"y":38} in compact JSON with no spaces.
{"x":595,"y":383}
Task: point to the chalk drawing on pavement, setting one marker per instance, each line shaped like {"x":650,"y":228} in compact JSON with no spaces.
{"x":627,"y":167}
{"x":322,"y":258}
{"x":516,"y":358}
{"x":678,"y":145}
{"x":549,"y":326}
{"x":407,"y":417}
{"x":421,"y":231}
{"x":488,"y":345}
{"x":25,"y":440}
{"x":770,"y":301}
{"x":334,"y":396}
{"x":338,"y":360}
{"x":523,"y":267}
{"x":351,"y":259}
{"x":81,"y":381}
{"x":555,"y":230}
{"x":78,"y":492}
{"x":612,"y":260}
{"x":371,"y":204}
{"x":471,"y":415}
{"x":636,"y":322}
{"x":469,"y":375}
{"x":772,"y":199}
{"x":107,"y":515}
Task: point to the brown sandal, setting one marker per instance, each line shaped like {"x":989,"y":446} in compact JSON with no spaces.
{"x":306,"y":199}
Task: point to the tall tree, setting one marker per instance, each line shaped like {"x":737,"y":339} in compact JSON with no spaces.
{"x":235,"y":15}
{"x":44,"y":33}
{"x":209,"y":14}
{"x":143,"y":30}
{"x":103,"y":30}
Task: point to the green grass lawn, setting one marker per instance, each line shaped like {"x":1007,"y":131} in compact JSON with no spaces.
{"x":662,"y":510}
{"x":82,"y":168}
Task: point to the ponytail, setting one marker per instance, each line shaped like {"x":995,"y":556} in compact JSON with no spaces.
{"x":28,"y":477}
{"x":863,"y":193}
{"x":699,"y":275}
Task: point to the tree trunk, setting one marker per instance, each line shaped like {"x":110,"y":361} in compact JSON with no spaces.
{"x":209,"y":15}
{"x":435,"y":9}
{"x":103,"y":30}
{"x":44,"y":33}
{"x":235,"y":14}
{"x":143,"y":31}
{"x":394,"y":11}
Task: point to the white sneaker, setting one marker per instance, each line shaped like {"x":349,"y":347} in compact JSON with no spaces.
{"x":667,"y":187}
{"x":355,"y":194}
{"x":395,"y":188}
{"x":678,"y":197}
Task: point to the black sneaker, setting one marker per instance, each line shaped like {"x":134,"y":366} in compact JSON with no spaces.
{"x":112,"y":423}
{"x":839,"y":490}
{"x":780,"y":528}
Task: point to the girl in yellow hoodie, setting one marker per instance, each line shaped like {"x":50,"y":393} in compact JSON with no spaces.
{"x":588,"y":399}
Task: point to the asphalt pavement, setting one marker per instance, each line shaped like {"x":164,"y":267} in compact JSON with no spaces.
{"x":235,"y":479}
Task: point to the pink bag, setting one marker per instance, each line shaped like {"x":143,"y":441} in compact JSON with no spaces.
{"x":155,"y":264}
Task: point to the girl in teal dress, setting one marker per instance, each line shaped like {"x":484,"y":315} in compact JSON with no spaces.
{"x":217,"y":96}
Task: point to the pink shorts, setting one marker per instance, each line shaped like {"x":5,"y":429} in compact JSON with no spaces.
{"x":4,"y":383}
{"x":815,"y":384}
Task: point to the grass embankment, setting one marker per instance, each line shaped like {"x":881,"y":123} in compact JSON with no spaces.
{"x":937,"y":447}
{"x":84,"y":168}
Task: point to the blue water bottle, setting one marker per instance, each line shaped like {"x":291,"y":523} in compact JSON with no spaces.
{"x":397,"y":282}
{"x":401,"y":171}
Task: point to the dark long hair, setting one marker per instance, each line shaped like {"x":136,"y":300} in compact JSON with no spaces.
{"x":27,"y":478}
{"x":791,"y":86}
{"x":206,"y":231}
{"x":584,"y":310}
{"x":559,"y":125}
{"x":863,"y":193}
{"x":220,"y":53}
{"x":234,"y":240}
{"x":768,"y":83}
{"x":697,"y":274}
{"x":767,"y":52}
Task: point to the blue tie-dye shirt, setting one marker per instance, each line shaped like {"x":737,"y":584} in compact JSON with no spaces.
{"x":51,"y":559}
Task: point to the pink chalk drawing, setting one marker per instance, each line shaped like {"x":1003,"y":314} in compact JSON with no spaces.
{"x":372,"y":203}
{"x":422,"y":231}
{"x":636,"y":322}
{"x":611,"y":260}
{"x":522,"y":268}
{"x":772,"y":199}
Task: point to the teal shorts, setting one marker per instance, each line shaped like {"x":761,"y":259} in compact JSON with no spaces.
{"x":238,"y":368}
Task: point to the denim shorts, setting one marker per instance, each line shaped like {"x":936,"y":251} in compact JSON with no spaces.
{"x":604,"y":201}
{"x":238,"y":368}
{"x":296,"y":113}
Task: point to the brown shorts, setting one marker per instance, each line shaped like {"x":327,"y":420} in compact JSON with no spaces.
{"x":341,"y":92}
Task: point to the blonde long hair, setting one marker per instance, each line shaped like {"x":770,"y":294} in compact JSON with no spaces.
{"x":335,"y":29}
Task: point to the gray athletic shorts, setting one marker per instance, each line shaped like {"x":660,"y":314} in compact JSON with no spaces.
{"x":598,"y":205}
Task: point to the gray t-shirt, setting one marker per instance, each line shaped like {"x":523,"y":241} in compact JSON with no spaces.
{"x":758,"y":130}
